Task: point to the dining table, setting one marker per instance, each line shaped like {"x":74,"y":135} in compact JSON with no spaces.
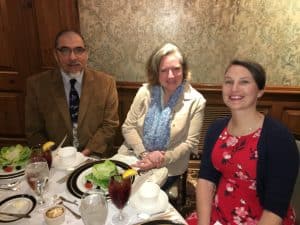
{"x":55,"y":188}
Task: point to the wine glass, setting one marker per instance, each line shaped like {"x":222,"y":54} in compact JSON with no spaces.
{"x":119,"y":189}
{"x":93,"y":207}
{"x":37,"y":175}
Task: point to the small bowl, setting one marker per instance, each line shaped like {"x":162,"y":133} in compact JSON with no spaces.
{"x":55,"y":215}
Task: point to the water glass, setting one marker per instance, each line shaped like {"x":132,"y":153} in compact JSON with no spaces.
{"x":37,"y":175}
{"x":93,"y":207}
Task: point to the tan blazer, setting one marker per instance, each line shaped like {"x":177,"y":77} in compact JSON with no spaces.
{"x":47,"y":114}
{"x":186,"y":123}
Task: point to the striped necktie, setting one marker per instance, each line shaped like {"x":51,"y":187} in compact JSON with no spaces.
{"x":73,"y":102}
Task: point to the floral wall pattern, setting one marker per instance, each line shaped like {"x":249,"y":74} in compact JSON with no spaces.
{"x":121,"y":35}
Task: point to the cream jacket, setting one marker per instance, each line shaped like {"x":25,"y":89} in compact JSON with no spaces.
{"x":186,"y":123}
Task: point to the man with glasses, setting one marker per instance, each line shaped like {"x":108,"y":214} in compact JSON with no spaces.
{"x":72,"y":100}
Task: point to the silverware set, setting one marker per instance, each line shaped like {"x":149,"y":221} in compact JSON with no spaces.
{"x":14,"y":186}
{"x":9,"y":188}
{"x":69,"y":201}
{"x":59,"y":198}
{"x":167,"y":215}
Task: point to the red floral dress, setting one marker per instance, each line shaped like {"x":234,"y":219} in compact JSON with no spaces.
{"x":236,"y":200}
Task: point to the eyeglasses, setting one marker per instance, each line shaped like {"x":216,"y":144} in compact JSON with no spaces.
{"x":65,"y":51}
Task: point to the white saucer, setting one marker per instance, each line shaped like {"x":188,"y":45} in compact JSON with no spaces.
{"x":21,"y":203}
{"x":56,"y":163}
{"x":161,"y":205}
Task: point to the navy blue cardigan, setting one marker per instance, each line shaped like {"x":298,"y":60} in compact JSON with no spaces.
{"x":277,"y":166}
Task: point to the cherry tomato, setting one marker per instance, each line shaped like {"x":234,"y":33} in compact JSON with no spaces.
{"x":88,"y":185}
{"x":8,"y":169}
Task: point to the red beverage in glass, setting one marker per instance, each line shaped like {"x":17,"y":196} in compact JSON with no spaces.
{"x":32,"y":182}
{"x":48,"y":156}
{"x":119,"y":191}
{"x":37,"y":153}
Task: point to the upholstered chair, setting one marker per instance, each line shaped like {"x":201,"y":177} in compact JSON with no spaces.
{"x":296,"y":194}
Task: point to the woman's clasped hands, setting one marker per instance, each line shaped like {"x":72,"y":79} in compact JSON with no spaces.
{"x":150,"y":160}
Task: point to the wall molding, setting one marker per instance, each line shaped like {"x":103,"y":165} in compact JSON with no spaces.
{"x":281,"y":103}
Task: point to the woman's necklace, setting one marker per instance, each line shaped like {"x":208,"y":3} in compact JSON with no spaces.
{"x":246,"y":128}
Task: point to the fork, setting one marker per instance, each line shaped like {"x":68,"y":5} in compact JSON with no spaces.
{"x":19,"y":215}
{"x":67,"y":200}
{"x":9,"y":188}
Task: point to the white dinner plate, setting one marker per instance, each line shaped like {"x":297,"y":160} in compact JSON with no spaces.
{"x":16,"y":204}
{"x":13,"y":173}
{"x":10,"y":180}
{"x":56,"y":162}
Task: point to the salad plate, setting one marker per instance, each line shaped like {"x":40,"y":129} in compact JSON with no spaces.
{"x":10,"y":180}
{"x":22,"y":203}
{"x":76,"y":181}
{"x":13,"y":160}
{"x":13,"y":174}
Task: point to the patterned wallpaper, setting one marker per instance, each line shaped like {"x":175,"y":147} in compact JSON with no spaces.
{"x":121,"y":35}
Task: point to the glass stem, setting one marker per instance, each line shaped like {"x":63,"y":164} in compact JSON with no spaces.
{"x":121,"y":216}
{"x":40,"y":197}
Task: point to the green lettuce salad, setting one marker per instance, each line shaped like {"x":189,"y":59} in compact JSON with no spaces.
{"x":101,"y":174}
{"x":16,"y":156}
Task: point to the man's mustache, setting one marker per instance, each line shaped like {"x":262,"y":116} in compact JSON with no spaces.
{"x":75,"y":63}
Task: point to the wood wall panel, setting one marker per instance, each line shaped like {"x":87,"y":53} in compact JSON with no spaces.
{"x":50,"y":19}
{"x":10,"y":110}
{"x":6,"y":60}
{"x":126,"y":94}
{"x":10,"y":81}
{"x":291,"y":117}
{"x":22,"y":36}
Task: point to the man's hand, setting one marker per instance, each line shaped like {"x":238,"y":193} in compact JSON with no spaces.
{"x":86,"y":152}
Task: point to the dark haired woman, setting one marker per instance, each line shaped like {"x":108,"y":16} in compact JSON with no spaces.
{"x":250,"y":161}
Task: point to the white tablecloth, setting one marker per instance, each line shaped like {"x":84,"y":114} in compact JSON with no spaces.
{"x":53,"y":188}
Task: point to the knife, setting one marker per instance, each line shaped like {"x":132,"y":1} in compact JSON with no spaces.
{"x":62,"y":141}
{"x":19,"y":215}
{"x":54,"y":152}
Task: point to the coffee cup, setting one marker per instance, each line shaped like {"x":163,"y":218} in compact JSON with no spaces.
{"x":149,"y":192}
{"x":67,"y":155}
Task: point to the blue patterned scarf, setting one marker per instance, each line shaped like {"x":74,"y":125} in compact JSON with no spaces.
{"x":157,"y":120}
